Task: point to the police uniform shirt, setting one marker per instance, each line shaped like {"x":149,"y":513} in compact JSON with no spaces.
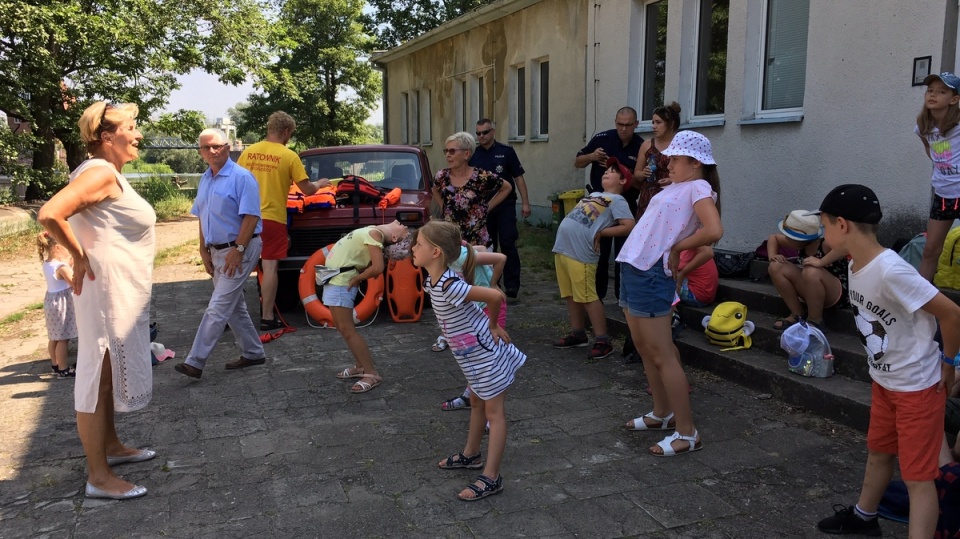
{"x":501,"y":160}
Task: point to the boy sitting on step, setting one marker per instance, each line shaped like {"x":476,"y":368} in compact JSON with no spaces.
{"x":896,"y":313}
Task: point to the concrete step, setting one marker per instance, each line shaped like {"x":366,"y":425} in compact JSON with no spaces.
{"x":838,"y":398}
{"x":850,"y":359}
{"x":762,"y":296}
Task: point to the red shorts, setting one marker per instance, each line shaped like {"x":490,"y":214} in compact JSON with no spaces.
{"x":275,"y":240}
{"x":910,"y":425}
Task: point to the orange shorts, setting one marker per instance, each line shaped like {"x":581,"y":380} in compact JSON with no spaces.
{"x":275,"y":241}
{"x":910,"y":425}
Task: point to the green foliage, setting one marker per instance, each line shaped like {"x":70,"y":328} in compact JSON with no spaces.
{"x":166,"y":199}
{"x":183,"y":161}
{"x":402,"y":20}
{"x":372,"y":134}
{"x":154,"y":189}
{"x":186,"y":124}
{"x":535,"y":245}
{"x":59,"y":56}
{"x":142,"y":167}
{"x":321,"y":76}
{"x":175,"y":206}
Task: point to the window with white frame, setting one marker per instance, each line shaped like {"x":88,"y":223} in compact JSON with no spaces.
{"x":460,"y":104}
{"x":784,"y":58}
{"x":711,"y":71}
{"x":404,"y":118}
{"x":540,"y":98}
{"x":517,"y":128}
{"x":414,"y":117}
{"x":654,"y":57}
{"x":477,"y":99}
{"x":426,"y":112}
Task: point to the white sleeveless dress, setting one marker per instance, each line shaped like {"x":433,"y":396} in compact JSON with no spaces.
{"x":113,"y":311}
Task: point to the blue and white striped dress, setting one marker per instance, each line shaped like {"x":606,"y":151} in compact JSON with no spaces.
{"x":488,"y":367}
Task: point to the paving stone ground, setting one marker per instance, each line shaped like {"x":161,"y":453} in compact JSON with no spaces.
{"x":283,"y":450}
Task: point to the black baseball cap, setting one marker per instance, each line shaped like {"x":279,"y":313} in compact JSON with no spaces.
{"x":853,"y":202}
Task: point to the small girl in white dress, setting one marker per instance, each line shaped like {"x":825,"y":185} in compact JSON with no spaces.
{"x":481,"y":347}
{"x":58,"y":302}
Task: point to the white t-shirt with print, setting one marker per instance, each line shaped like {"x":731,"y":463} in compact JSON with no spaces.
{"x":668,"y":220}
{"x":887,"y":295}
{"x":946,"y":161}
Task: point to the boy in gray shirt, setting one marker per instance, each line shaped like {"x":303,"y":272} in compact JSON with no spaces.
{"x":577,"y":251}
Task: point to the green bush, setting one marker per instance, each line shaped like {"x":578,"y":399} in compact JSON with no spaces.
{"x":155,"y":189}
{"x":172,"y":207}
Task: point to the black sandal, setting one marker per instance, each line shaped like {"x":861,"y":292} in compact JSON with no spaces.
{"x":460,"y":461}
{"x":490,"y":487}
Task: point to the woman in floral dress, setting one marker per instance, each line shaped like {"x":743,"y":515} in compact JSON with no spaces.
{"x":466,"y":194}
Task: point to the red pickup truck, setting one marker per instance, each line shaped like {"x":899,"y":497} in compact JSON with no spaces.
{"x":387,"y":167}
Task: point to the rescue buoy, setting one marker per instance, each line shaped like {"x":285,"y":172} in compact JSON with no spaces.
{"x":319,"y":312}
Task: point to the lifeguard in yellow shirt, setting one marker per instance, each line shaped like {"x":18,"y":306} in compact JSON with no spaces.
{"x":276,"y":168}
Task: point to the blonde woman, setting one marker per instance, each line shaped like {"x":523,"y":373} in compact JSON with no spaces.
{"x":108,"y":229}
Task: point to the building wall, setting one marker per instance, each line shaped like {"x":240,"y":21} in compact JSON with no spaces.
{"x":859,"y":107}
{"x":554,"y":30}
{"x":858,"y":113}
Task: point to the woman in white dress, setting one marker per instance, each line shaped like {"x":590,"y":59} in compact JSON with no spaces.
{"x":109,"y":230}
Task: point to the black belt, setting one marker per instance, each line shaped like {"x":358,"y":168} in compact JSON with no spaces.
{"x":219,"y":246}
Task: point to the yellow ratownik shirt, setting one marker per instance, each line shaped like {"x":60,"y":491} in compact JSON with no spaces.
{"x":276,"y":168}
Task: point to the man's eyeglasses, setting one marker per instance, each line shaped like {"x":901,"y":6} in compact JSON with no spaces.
{"x":485,"y":132}
{"x":627,"y":126}
{"x":451,"y":151}
{"x":214,"y":147}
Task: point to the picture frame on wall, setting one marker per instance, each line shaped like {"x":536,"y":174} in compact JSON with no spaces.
{"x":921,"y":68}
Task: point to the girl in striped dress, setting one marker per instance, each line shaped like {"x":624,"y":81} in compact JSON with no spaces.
{"x":481,"y":347}
{"x":58,"y":302}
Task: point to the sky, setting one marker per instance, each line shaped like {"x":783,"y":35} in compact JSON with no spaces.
{"x":202,"y":91}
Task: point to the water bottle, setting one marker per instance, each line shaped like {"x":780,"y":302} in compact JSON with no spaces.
{"x":652,"y":165}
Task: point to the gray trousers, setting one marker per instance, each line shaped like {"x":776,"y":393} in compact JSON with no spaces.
{"x":228,"y":306}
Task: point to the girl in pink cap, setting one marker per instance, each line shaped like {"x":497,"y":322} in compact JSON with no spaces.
{"x":648,"y":286}
{"x":937,"y":129}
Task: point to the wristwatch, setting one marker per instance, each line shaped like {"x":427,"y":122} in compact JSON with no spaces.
{"x":241,"y":248}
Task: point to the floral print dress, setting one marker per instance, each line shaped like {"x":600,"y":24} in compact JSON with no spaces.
{"x":467,"y":205}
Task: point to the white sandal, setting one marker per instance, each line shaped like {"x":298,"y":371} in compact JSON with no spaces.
{"x":440,"y":345}
{"x":638,"y":423}
{"x":666,"y":445}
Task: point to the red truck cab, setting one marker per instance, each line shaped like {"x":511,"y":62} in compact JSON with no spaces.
{"x":387,"y":167}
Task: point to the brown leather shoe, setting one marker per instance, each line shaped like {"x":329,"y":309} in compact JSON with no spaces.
{"x":189,"y":370}
{"x":244,"y":362}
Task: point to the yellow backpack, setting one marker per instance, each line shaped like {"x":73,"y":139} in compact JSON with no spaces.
{"x":948,"y":266}
{"x":728,"y":326}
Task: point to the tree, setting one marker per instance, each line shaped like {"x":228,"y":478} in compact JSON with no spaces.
{"x":58,"y":56}
{"x":238,"y":114}
{"x":321,"y":76}
{"x":403,"y":20}
{"x":186,"y":124}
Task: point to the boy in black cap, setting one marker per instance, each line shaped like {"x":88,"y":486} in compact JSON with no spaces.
{"x":896,"y":312}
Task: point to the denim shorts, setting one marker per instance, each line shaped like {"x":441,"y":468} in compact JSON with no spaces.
{"x":646,"y":294}
{"x":339,"y":296}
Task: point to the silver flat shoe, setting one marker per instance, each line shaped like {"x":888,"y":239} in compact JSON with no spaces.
{"x":93,"y":492}
{"x":142,"y":455}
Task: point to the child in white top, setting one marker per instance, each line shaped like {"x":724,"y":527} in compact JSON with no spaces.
{"x":362,"y":252}
{"x":58,"y":302}
{"x":940,"y":135}
{"x":648,"y":287}
{"x":896,"y":312}
{"x":481,"y":347}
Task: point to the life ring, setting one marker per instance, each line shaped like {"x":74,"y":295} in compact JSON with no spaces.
{"x":315,"y":308}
